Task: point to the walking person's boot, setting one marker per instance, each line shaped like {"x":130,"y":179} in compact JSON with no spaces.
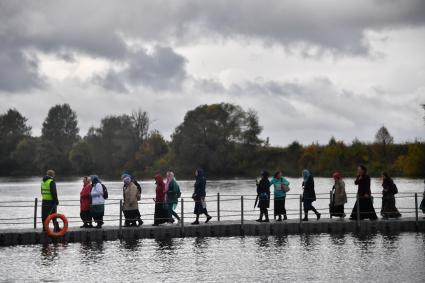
{"x":317,"y":213}
{"x":261,"y":218}
{"x":279,"y":219}
{"x":196,"y":222}
{"x":208,"y":218}
{"x":285,"y":217}
{"x":266,"y":213}
{"x":305,"y":216}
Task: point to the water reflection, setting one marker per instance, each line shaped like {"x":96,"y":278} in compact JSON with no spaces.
{"x":262,"y":242}
{"x":50,"y":252}
{"x":337,"y":239}
{"x":91,"y":251}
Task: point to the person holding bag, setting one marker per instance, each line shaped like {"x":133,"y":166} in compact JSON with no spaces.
{"x":281,"y":187}
{"x":339,"y":196}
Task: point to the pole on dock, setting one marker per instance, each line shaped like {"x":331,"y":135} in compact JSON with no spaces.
{"x":218,"y":206}
{"x":301,"y":210}
{"x":35,"y":212}
{"x":330,"y":203}
{"x":182,"y":217}
{"x":242,"y":210}
{"x":120,"y":225}
{"x":416,"y":209}
{"x":358,"y":211}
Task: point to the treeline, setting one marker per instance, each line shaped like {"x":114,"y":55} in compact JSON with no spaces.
{"x":221,"y":138}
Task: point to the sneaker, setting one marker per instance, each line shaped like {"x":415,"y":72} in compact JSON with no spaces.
{"x":139,"y":222}
{"x":195,"y":223}
{"x":208,"y":219}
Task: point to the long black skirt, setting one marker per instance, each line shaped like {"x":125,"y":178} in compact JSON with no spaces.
{"x":162,"y":213}
{"x":422,"y":206}
{"x":131,"y":216}
{"x":337,"y":210}
{"x":389,"y":210}
{"x":200,"y":206}
{"x":367,"y":211}
{"x":279,"y":206}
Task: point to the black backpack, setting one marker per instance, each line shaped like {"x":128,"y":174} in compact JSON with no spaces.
{"x":105,"y":191}
{"x":394,"y":189}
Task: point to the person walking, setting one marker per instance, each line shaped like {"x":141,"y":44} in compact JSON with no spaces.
{"x":97,"y":208}
{"x":162,"y":214}
{"x":85,"y":199}
{"x":199,"y":197}
{"x":339,"y":196}
{"x":50,"y":199}
{"x":388,"y":208}
{"x":173,"y":194}
{"x":309,"y":195}
{"x":263,"y":196}
{"x":367,"y":211}
{"x":281,"y":187}
{"x":131,"y":205}
{"x":422,"y":206}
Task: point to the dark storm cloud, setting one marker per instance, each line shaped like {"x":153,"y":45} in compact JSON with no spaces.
{"x":162,"y":69}
{"x":98,"y":28}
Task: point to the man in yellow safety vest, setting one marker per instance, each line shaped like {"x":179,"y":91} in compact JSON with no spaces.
{"x":50,"y":197}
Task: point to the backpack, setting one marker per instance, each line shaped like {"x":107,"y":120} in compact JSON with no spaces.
{"x":139,"y":188}
{"x":105,"y":191}
{"x":394,"y":189}
{"x":178,"y":192}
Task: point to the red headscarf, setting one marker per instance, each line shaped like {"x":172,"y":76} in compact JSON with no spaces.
{"x":337,"y":175}
{"x":160,"y":187}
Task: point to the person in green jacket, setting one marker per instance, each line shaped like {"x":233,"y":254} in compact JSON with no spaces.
{"x":281,"y":186}
{"x":50,"y":200}
{"x":173,"y":194}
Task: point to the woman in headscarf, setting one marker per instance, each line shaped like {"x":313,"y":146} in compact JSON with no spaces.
{"x":281,"y":186}
{"x":309,"y":195}
{"x":131,"y":205}
{"x":367,"y":211}
{"x":199,"y":197}
{"x":85,"y":203}
{"x":162,"y":214}
{"x":97,"y":208}
{"x":422,"y":206}
{"x":173,"y":194}
{"x":263,"y":196}
{"x":339,"y":197}
{"x":388,"y":209}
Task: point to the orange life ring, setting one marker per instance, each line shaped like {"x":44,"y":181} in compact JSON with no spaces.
{"x":59,"y":233}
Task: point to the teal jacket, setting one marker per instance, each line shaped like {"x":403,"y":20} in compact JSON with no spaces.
{"x":277,"y":184}
{"x":173,"y":192}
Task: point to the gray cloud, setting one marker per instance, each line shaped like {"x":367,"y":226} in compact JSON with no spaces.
{"x":162,"y":69}
{"x":98,"y":28}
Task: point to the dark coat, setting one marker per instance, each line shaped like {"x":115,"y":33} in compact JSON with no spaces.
{"x":363,"y":185}
{"x":200,"y":186}
{"x":263,"y":191}
{"x":309,"y":194}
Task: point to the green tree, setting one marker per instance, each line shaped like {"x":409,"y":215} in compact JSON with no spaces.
{"x":210,"y":137}
{"x":25,"y":156}
{"x":59,"y":134}
{"x":13,"y":128}
{"x":81,"y":158}
{"x":150,"y":152}
{"x":413,"y":164}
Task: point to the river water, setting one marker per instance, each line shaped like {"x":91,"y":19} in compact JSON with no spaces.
{"x":292,"y":258}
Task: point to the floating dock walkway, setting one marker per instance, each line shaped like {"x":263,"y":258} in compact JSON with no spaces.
{"x":214,"y":229}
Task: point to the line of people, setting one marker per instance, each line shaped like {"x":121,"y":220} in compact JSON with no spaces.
{"x":167,"y":193}
{"x":338,"y":200}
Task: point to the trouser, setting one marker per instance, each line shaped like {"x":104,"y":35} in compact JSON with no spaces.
{"x":49,"y":207}
{"x":97,"y":212}
{"x":172,"y":208}
{"x":86,"y":216}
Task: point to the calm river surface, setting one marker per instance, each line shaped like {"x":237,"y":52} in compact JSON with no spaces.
{"x":293,"y":258}
{"x":314,"y":258}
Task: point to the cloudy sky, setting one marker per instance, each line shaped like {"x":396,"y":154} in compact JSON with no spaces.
{"x":311,"y":69}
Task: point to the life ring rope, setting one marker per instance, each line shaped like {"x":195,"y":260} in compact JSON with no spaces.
{"x":49,"y":231}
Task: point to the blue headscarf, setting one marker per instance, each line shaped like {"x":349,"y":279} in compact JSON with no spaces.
{"x":306,"y":174}
{"x":94,"y":179}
